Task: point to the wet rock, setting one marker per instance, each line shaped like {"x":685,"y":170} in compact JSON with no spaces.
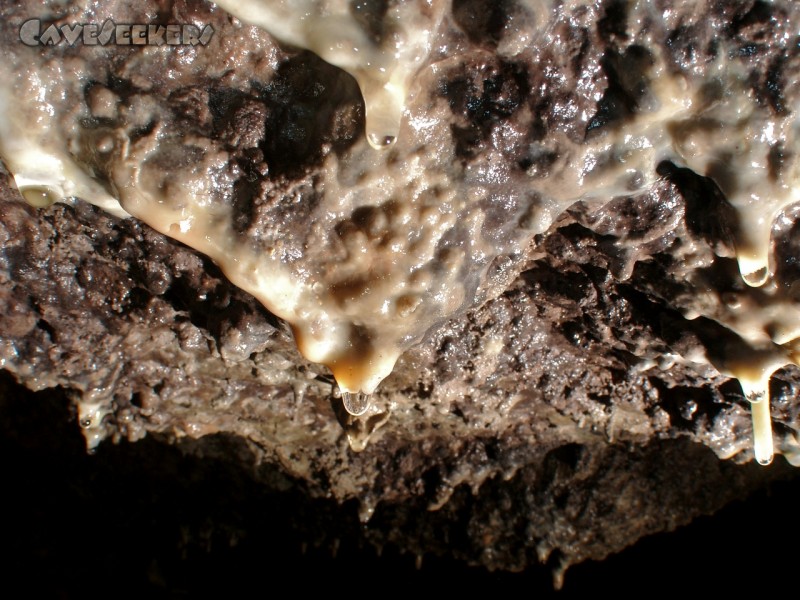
{"x":569,"y":411}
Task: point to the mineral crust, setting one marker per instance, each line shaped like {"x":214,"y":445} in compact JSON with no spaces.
{"x":571,"y":398}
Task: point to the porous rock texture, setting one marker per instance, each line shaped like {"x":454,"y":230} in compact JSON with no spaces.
{"x":559,"y":420}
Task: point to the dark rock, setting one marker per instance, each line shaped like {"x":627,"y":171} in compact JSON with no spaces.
{"x":560,"y":419}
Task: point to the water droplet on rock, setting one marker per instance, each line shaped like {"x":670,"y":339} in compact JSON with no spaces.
{"x":356,"y":403}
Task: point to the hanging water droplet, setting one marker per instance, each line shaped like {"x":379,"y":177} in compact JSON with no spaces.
{"x":764,"y":460}
{"x":756,"y":278}
{"x":762,"y":428}
{"x":38,"y":196}
{"x":356,"y":403}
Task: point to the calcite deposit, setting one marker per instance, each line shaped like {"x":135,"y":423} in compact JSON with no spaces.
{"x":548,"y":296}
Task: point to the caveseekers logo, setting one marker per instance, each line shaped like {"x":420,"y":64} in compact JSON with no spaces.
{"x":32,"y":33}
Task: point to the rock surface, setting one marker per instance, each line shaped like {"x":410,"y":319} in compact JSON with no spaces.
{"x":568,"y":413}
